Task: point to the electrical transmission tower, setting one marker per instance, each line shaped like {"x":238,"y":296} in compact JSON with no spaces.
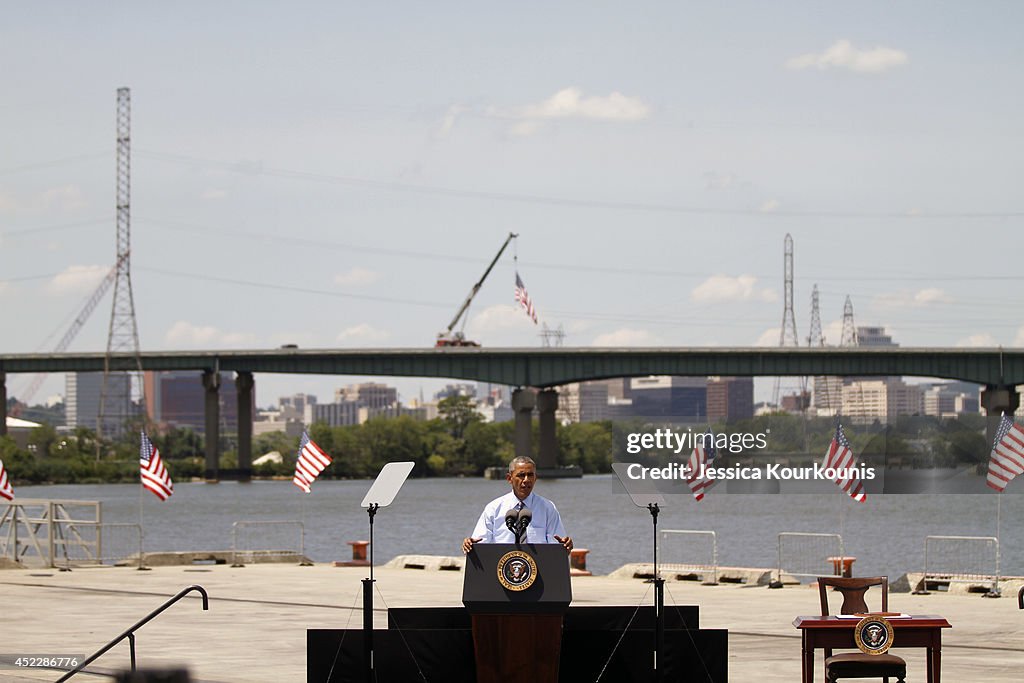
{"x":122,"y":396}
{"x":828,"y":391}
{"x":849,"y":329}
{"x":550,"y":337}
{"x":788,"y":336}
{"x":815,"y":338}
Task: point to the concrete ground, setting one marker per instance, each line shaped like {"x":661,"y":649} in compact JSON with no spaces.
{"x":255,"y":628}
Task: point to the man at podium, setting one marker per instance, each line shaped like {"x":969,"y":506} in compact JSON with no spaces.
{"x":545,"y":524}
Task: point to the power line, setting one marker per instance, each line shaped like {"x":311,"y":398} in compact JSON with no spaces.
{"x":437,"y":190}
{"x":293,"y":241}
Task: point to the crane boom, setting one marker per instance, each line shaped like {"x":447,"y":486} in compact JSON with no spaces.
{"x":447,"y":338}
{"x":66,"y":340}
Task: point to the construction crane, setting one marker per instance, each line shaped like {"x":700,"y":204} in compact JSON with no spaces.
{"x":65,"y":341}
{"x":451,"y":338}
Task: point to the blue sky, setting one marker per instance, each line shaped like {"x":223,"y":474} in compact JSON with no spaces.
{"x":339,"y":175}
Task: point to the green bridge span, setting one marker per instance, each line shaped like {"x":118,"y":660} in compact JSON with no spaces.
{"x":998,"y":370}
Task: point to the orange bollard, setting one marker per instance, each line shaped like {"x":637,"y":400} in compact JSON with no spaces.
{"x":842,"y":566}
{"x":578,"y":562}
{"x":358,"y":555}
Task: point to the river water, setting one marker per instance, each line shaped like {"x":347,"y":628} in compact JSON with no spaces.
{"x":431,"y":516}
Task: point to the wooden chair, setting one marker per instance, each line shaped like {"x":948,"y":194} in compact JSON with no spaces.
{"x":858,"y":664}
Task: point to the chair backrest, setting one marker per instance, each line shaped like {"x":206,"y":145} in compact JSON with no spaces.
{"x":853,"y":591}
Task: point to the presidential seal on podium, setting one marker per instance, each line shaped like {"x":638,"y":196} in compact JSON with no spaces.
{"x":517,"y":570}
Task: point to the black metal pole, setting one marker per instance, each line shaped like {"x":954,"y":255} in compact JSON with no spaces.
{"x":368,"y":666}
{"x":659,"y":601}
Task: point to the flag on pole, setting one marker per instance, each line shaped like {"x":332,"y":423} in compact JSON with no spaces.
{"x":523,"y":299}
{"x":1007,"y":458}
{"x":310,"y":462}
{"x":840,"y":458}
{"x":703,"y":456}
{"x":6,"y":490}
{"x":154,"y":474}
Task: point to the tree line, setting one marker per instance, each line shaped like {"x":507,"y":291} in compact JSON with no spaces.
{"x":460,"y":443}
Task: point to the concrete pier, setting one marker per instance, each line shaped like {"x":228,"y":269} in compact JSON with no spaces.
{"x":255,"y":629}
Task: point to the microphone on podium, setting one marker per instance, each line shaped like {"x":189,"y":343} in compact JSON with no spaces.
{"x":511,"y":517}
{"x":525,"y":516}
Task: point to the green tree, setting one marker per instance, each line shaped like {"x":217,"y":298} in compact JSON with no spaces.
{"x":458,"y":412}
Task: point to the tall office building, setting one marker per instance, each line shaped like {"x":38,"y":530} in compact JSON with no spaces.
{"x":669,"y":396}
{"x":882,"y":400}
{"x":730,"y":398}
{"x":370,"y":394}
{"x":82,"y":391}
{"x":178,"y":399}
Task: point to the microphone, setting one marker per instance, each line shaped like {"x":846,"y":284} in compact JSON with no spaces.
{"x":525,"y":516}
{"x":510,"y":521}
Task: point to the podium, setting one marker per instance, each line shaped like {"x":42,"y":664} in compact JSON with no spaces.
{"x":517,"y":596}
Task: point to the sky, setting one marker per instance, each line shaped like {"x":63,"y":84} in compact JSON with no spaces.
{"x":339,"y":175}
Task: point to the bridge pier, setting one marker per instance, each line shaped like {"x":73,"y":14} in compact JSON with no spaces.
{"x":523,"y":401}
{"x":243,"y":386}
{"x":3,"y":404}
{"x":997,"y":399}
{"x":211,"y":382}
{"x":547,"y":404}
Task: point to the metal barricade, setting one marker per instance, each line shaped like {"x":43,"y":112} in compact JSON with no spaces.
{"x":40,"y":532}
{"x":972,"y":559}
{"x":808,"y":555}
{"x":255,"y":541}
{"x":686,"y":551}
{"x":90,"y":543}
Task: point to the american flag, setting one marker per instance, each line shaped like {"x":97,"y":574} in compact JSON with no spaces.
{"x":6,"y":490}
{"x":154,"y":474}
{"x":703,"y":454}
{"x":523,"y":299}
{"x":1007,"y":458}
{"x":310,"y":462}
{"x":840,"y":456}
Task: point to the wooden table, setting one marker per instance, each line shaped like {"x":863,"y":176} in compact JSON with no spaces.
{"x":834,"y":632}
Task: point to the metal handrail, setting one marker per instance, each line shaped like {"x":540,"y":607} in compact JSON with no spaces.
{"x":130,"y":632}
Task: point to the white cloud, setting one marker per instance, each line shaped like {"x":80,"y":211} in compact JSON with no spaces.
{"x":66,"y":197}
{"x":1019,"y":339}
{"x":185,"y":334}
{"x":213,"y":194}
{"x":724,"y":288}
{"x":769,"y":206}
{"x":714,"y":180}
{"x":910,"y":299}
{"x":450,"y":117}
{"x":843,"y":55}
{"x":570,"y":103}
{"x":496,"y":318}
{"x":769,"y":337}
{"x":356,"y":277}
{"x":7,"y":202}
{"x":833,"y":332}
{"x":626,"y":336}
{"x":76,"y":279}
{"x":983,"y":340}
{"x":525,"y":128}
{"x":361,"y":333}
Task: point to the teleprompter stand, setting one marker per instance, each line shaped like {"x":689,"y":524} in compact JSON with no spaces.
{"x":653,"y":502}
{"x":381,"y":494}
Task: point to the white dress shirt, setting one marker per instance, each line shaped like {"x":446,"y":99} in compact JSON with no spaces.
{"x":544,"y":526}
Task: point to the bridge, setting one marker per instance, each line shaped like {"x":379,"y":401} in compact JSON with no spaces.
{"x":998,"y":370}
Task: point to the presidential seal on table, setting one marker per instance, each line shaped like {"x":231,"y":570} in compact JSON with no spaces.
{"x":873,"y":635}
